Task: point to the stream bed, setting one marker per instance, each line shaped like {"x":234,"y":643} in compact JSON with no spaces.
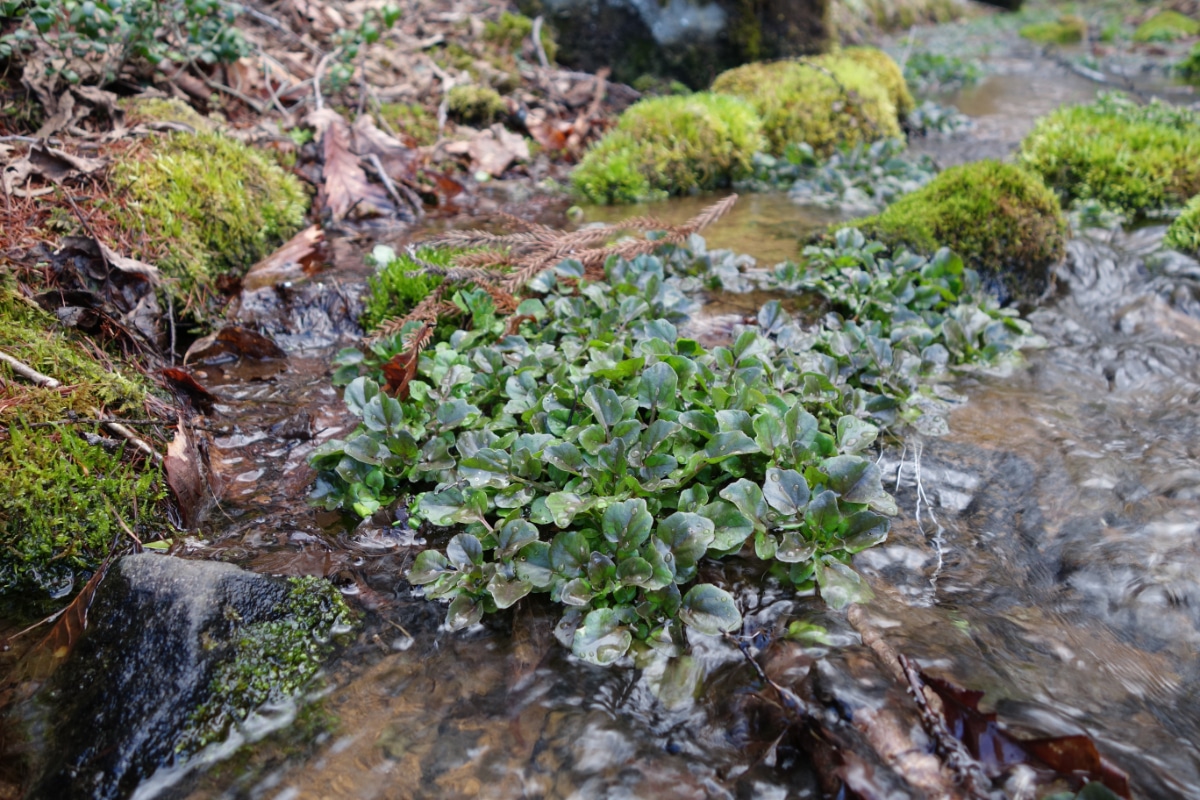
{"x":1047,"y":554}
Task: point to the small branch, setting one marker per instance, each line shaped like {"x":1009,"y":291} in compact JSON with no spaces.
{"x":318,"y":99}
{"x":402,"y":195}
{"x":537,"y":42}
{"x":26,"y":371}
{"x":132,"y":438}
{"x":53,"y":423}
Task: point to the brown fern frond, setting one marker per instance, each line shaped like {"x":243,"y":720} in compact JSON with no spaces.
{"x":419,"y":339}
{"x":706,"y":217}
{"x":644,"y":224}
{"x":476,"y":238}
{"x":526,"y":225}
{"x":425,"y":311}
{"x":483,"y":259}
{"x":504,"y":301}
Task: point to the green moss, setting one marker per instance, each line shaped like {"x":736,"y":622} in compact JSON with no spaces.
{"x":1136,"y":160}
{"x":511,"y":30}
{"x":999,"y":218}
{"x":889,"y":72}
{"x":1166,"y":26}
{"x":1189,"y":66}
{"x":271,"y":661}
{"x":394,"y":289}
{"x":826,"y":102}
{"x":1067,"y":29}
{"x":671,"y":144}
{"x":205,"y":204}
{"x":412,"y":120}
{"x":59,"y":495}
{"x":164,"y":109}
{"x":476,"y":105}
{"x":1184,"y":233}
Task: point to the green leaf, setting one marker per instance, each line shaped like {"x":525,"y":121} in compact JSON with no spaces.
{"x":731,"y":527}
{"x":507,"y":592}
{"x":786,"y":491}
{"x":858,"y":480}
{"x":563,"y":506}
{"x":688,"y":536}
{"x":627,"y":524}
{"x":602,"y":639}
{"x":487,"y":468}
{"x":533,"y":565}
{"x":840,"y":585}
{"x":822,"y":514}
{"x":794,"y":548}
{"x":464,"y":612}
{"x":366,"y":449}
{"x":658,"y":556}
{"x":456,"y":413}
{"x":464,"y":551}
{"x":855,"y":435}
{"x":635,"y":571}
{"x":605,"y":406}
{"x":765,"y":545}
{"x":730,"y":443}
{"x":569,"y":553}
{"x":513,"y":536}
{"x":710,"y":610}
{"x":702,"y":422}
{"x":383,"y":414}
{"x":428,"y":566}
{"x":657,"y":387}
{"x":864,"y":529}
{"x":749,"y":500}
{"x":359,"y":393}
{"x":622,"y":371}
{"x":565,"y":456}
{"x":576,"y":592}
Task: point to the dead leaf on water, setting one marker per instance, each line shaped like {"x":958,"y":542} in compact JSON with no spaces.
{"x":230,"y":344}
{"x":45,"y":656}
{"x":345,"y":191}
{"x":300,"y":257}
{"x":185,"y":476}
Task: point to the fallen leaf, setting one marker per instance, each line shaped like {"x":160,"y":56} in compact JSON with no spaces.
{"x":495,"y":149}
{"x":300,"y":257}
{"x":183,"y":383}
{"x":231,"y":343}
{"x":399,"y":160}
{"x":49,"y":164}
{"x":185,"y":476}
{"x":46,"y":655}
{"x":344,"y":185}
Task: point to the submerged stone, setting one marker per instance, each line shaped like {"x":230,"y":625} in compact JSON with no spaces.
{"x":177,"y":653}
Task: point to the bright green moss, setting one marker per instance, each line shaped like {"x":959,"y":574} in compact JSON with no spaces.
{"x":205,"y":204}
{"x":671,"y":145}
{"x":1136,"y":160}
{"x":395,"y":289}
{"x":1184,"y":233}
{"x":889,"y":72}
{"x":1067,"y":29}
{"x":828,"y":101}
{"x":999,"y":218}
{"x":59,"y":495}
{"x":271,"y":661}
{"x":164,"y":109}
{"x":1166,"y":26}
{"x":476,"y":105}
{"x":412,"y":120}
{"x":511,"y":30}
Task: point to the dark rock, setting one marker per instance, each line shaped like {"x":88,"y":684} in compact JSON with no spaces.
{"x":115,"y":712}
{"x":689,"y":40}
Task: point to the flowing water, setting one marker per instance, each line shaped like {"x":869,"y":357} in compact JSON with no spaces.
{"x":1047,"y":554}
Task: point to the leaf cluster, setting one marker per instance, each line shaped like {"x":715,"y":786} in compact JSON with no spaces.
{"x":927,"y":72}
{"x":596,"y":455}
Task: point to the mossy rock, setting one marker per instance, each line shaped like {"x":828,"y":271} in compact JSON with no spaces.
{"x":1140,"y":161}
{"x":826,"y":102}
{"x":476,"y":105}
{"x":1067,"y":29}
{"x":61,"y":496}
{"x":671,"y":145}
{"x":1166,"y":26}
{"x":1000,"y":219}
{"x":206,"y":205}
{"x":889,"y":72}
{"x":1184,"y":233}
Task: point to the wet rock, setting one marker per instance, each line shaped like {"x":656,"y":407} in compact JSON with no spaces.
{"x":142,"y":675}
{"x":685,"y":39}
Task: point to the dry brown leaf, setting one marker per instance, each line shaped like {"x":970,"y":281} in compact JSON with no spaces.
{"x":230,"y":343}
{"x":493,"y":151}
{"x":185,"y":476}
{"x":46,"y":655}
{"x":299,"y":257}
{"x":345,"y":189}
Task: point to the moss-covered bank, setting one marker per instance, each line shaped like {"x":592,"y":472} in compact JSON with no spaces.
{"x":1184,"y":233}
{"x":999,"y":218}
{"x":62,"y":497}
{"x":1137,"y":160}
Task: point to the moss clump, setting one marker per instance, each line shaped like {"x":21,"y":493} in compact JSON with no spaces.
{"x":205,"y":205}
{"x":59,"y":495}
{"x":1166,"y":26}
{"x":476,"y":105}
{"x":1067,"y":29}
{"x":397,"y":285}
{"x":411,"y":120}
{"x":889,"y":72}
{"x":1136,"y":160}
{"x":825,"y":102}
{"x":165,"y":109}
{"x":511,"y":30}
{"x":271,"y":661}
{"x":999,"y":218}
{"x":1184,"y":233}
{"x":671,"y":145}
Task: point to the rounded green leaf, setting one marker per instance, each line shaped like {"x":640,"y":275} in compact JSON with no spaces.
{"x":602,"y":639}
{"x":854,"y":434}
{"x":464,"y":611}
{"x":513,"y":536}
{"x":794,"y":548}
{"x":749,"y":500}
{"x":507,"y":592}
{"x":709,"y":610}
{"x":359,"y":393}
{"x":865,"y":529}
{"x":569,"y":553}
{"x":464,"y":551}
{"x":576,"y":592}
{"x":858,"y":480}
{"x":533,"y":565}
{"x":635,"y":571}
{"x":786,"y":491}
{"x":688,"y":536}
{"x":627,"y":524}
{"x":657,"y":387}
{"x":428,"y":566}
{"x":730,"y":443}
{"x":730,"y":526}
{"x":840,"y":585}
